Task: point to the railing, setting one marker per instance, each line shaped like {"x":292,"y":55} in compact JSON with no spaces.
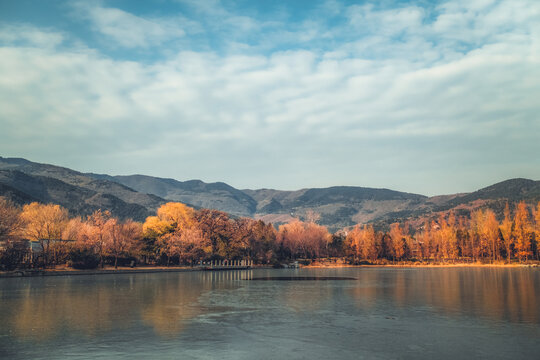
{"x":225,"y":264}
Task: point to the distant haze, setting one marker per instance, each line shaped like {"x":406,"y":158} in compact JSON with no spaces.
{"x":425,"y":97}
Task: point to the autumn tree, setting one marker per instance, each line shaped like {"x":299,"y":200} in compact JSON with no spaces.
{"x":353,"y":241}
{"x":437,"y":239}
{"x":12,"y":250}
{"x":162,"y":231}
{"x":44,"y":224}
{"x":424,"y":239}
{"x":241,"y":239}
{"x":363,"y":242}
{"x":448,"y":233}
{"x":506,"y":231}
{"x":122,"y":238}
{"x":262,"y":242}
{"x":188,"y":245}
{"x":463,"y":237}
{"x":97,"y":233}
{"x":477,"y":242}
{"x":219,"y":228}
{"x":11,"y":222}
{"x":537,"y":230}
{"x":176,"y":214}
{"x":73,"y":229}
{"x":398,"y":237}
{"x":490,"y":232}
{"x":303,"y":239}
{"x":522,"y":231}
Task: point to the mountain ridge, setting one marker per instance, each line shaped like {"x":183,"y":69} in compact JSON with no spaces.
{"x":337,"y":207}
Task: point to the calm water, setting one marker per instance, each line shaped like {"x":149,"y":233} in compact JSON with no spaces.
{"x":384,"y":314}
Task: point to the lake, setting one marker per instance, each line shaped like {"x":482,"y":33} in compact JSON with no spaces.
{"x":382,"y":313}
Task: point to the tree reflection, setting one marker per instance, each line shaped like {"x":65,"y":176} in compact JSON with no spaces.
{"x":498,"y":294}
{"x":44,"y":311}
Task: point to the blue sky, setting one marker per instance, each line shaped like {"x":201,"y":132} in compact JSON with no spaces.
{"x":430,"y":97}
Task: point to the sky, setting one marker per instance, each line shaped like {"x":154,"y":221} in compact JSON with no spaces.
{"x":429,"y":97}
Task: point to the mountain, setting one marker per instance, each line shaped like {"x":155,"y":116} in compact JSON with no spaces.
{"x":24,"y":181}
{"x":138,"y":196}
{"x":337,"y":206}
{"x":512,"y":190}
{"x":193,"y":192}
{"x":494,"y":197}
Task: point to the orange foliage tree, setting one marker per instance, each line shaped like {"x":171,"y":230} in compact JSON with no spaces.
{"x":165,"y":230}
{"x":363,"y":242}
{"x":506,"y":232}
{"x":123,"y":238}
{"x":96,"y":233}
{"x":10,"y":221}
{"x":522,"y":231}
{"x":44,"y":224}
{"x":399,"y":243}
{"x":537,"y":230}
{"x":302,"y":239}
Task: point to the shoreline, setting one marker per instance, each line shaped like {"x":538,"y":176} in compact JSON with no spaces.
{"x":109,"y":270}
{"x":67,"y":272}
{"x":406,"y":264}
{"x":158,"y":269}
{"x":320,"y":266}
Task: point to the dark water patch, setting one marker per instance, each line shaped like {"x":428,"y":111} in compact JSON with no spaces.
{"x":302,"y":278}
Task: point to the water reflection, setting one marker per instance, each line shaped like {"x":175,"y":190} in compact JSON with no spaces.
{"x":42,"y":309}
{"x":46,"y":308}
{"x":499,"y":294}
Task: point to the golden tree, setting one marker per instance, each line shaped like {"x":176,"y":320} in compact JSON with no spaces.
{"x":399,"y":236}
{"x":537,"y":230}
{"x":506,"y":231}
{"x":490,"y":232}
{"x":97,"y":232}
{"x":44,"y":224}
{"x":363,"y":242}
{"x":189,"y":245}
{"x":478,"y":242}
{"x":303,"y":239}
{"x":177,"y":214}
{"x":10,"y":220}
{"x":522,"y":231}
{"x":163,"y":230}
{"x":122,"y":238}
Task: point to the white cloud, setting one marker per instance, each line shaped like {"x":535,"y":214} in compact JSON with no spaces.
{"x":128,"y":30}
{"x":26,"y":35}
{"x":228,"y":117}
{"x":385,"y":22}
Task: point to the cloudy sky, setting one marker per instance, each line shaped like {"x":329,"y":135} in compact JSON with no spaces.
{"x":422,"y":96}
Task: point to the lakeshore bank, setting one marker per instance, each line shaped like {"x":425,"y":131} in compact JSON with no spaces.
{"x":105,"y":271}
{"x":161,"y":269}
{"x":322,"y":266}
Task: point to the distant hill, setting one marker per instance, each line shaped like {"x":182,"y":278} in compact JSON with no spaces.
{"x":512,"y":190}
{"x":194,"y":192}
{"x":138,"y":196}
{"x":337,"y":206}
{"x":24,"y":181}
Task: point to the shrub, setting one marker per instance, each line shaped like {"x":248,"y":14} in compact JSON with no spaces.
{"x":12,"y":257}
{"x":83,"y":259}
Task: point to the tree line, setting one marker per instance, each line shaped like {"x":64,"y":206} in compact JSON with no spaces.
{"x":478,"y":237}
{"x":179,"y":234}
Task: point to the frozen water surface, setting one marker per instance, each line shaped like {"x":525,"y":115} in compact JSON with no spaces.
{"x":381,"y":313}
